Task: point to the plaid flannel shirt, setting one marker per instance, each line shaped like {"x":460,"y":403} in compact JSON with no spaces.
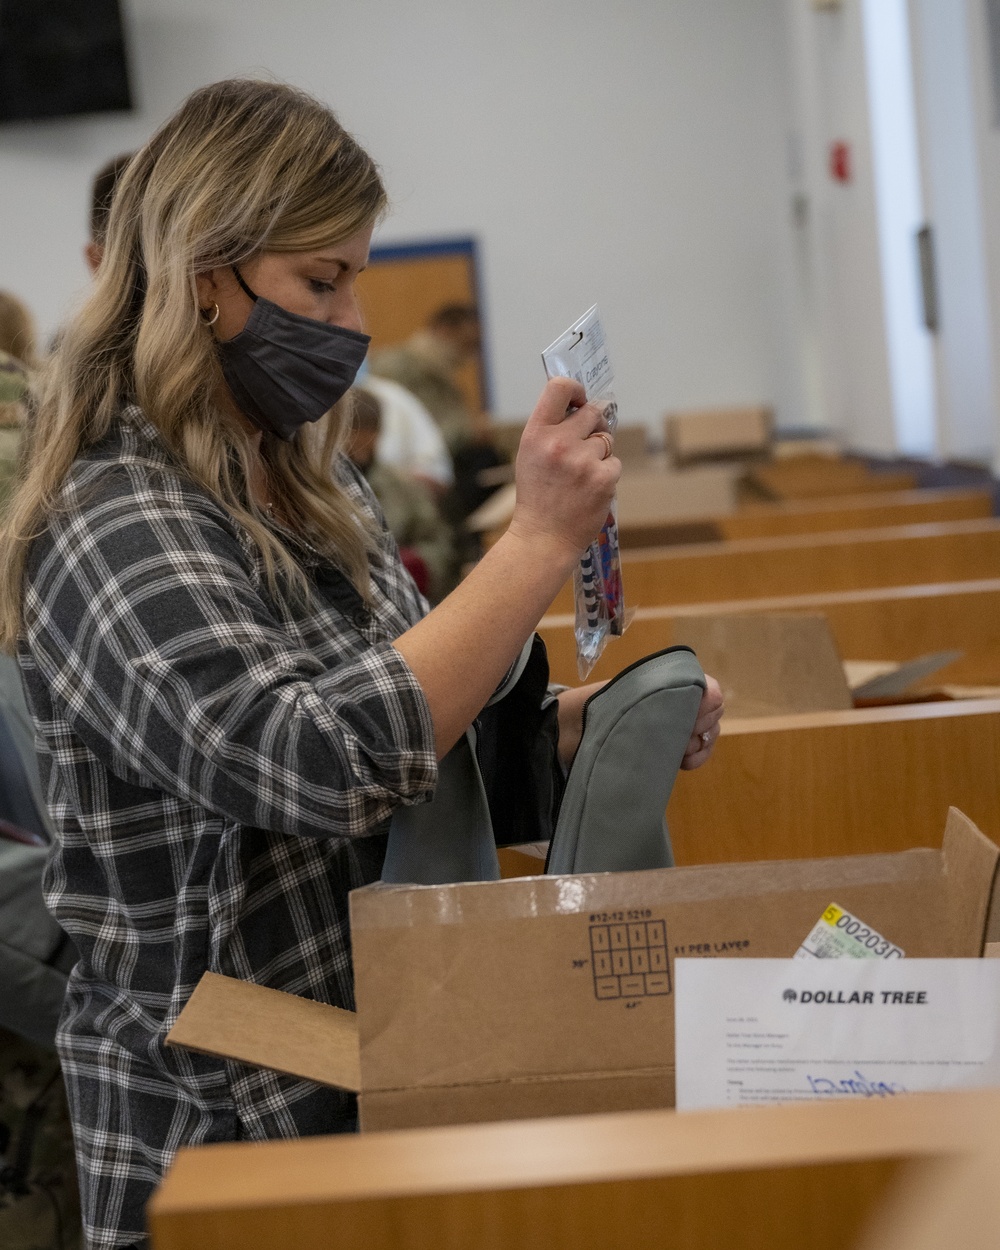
{"x":220,"y":765}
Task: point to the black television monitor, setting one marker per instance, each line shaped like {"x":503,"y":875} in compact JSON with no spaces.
{"x":61,"y":57}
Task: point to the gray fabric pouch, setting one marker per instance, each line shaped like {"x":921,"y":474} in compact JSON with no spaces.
{"x":635,"y":732}
{"x":450,"y":838}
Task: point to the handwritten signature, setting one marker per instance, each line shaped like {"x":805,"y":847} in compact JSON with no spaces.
{"x":856,"y":1084}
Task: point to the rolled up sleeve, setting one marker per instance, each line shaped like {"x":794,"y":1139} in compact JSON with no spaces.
{"x":175,"y":669}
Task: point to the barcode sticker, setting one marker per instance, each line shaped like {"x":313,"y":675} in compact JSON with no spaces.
{"x":839,"y":935}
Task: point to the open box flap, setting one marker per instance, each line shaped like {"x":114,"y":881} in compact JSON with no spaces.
{"x":769,"y":663}
{"x":970,"y":860}
{"x":253,"y":1024}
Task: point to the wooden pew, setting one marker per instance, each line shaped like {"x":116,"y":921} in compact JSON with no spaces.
{"x":753,"y":568}
{"x":812,"y":477}
{"x":939,"y":1205}
{"x":811,"y":516}
{"x":839,"y":783}
{"x":756,"y":1178}
{"x":888,"y":623}
{"x":658,"y":508}
{"x":909,"y":507}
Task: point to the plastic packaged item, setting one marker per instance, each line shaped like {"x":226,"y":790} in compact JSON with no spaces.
{"x":582,"y":353}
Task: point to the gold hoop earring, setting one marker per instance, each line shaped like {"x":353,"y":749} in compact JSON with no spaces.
{"x":210,"y":321}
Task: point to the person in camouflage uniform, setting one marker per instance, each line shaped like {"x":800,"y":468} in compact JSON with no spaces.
{"x":13,"y":391}
{"x":39,"y":1201}
{"x":13,"y":379}
{"x":17,"y":360}
{"x":425,"y":541}
{"x":39,"y":1198}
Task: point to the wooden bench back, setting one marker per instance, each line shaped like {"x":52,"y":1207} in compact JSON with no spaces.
{"x":755,"y":568}
{"x":774,"y":520}
{"x":760,"y":1178}
{"x":889,"y":623}
{"x":839,"y":783}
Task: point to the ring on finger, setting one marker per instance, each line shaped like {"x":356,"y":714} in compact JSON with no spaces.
{"x":706,"y":739}
{"x":609,"y":444}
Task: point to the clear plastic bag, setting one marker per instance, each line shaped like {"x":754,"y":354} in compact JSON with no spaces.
{"x":582,"y":353}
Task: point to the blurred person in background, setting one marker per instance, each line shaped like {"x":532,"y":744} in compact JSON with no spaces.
{"x":18,"y":361}
{"x":409,"y":440}
{"x":101,"y":194}
{"x":39,"y":1198}
{"x":39,"y":1195}
{"x":427,"y":364}
{"x":411,"y":513}
{"x":17,"y":330}
{"x":102,"y":190}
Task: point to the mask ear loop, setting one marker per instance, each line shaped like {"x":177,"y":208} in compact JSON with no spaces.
{"x":243,"y":285}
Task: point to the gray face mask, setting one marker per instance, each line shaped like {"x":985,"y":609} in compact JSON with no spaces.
{"x":284,"y":370}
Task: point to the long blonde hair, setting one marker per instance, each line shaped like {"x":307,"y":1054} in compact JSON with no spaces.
{"x":242,"y":167}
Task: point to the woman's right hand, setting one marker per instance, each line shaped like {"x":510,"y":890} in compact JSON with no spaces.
{"x":460,"y":652}
{"x":565,"y":477}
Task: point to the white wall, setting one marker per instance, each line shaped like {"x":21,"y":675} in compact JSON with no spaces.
{"x":839,"y":252}
{"x":955,"y":210}
{"x":844,"y":315}
{"x":630,"y":154}
{"x":899,"y":206}
{"x":987,"y":143}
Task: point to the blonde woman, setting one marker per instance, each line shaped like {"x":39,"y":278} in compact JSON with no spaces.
{"x":235,"y":682}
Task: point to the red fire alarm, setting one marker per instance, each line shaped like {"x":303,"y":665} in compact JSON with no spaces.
{"x":840,"y":161}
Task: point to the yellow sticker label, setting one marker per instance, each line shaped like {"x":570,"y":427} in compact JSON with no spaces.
{"x":838,"y":934}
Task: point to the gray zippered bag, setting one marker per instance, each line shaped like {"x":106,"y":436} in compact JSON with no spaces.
{"x":635,"y":732}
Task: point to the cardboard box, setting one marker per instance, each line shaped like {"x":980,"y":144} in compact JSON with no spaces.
{"x":654,"y":495}
{"x":554,"y":995}
{"x":648,"y":494}
{"x":875,"y":682}
{"x":783,"y":663}
{"x":719,"y":433}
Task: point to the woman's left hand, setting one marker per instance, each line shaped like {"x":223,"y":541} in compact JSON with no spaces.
{"x":707,"y":727}
{"x":571,"y":703}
